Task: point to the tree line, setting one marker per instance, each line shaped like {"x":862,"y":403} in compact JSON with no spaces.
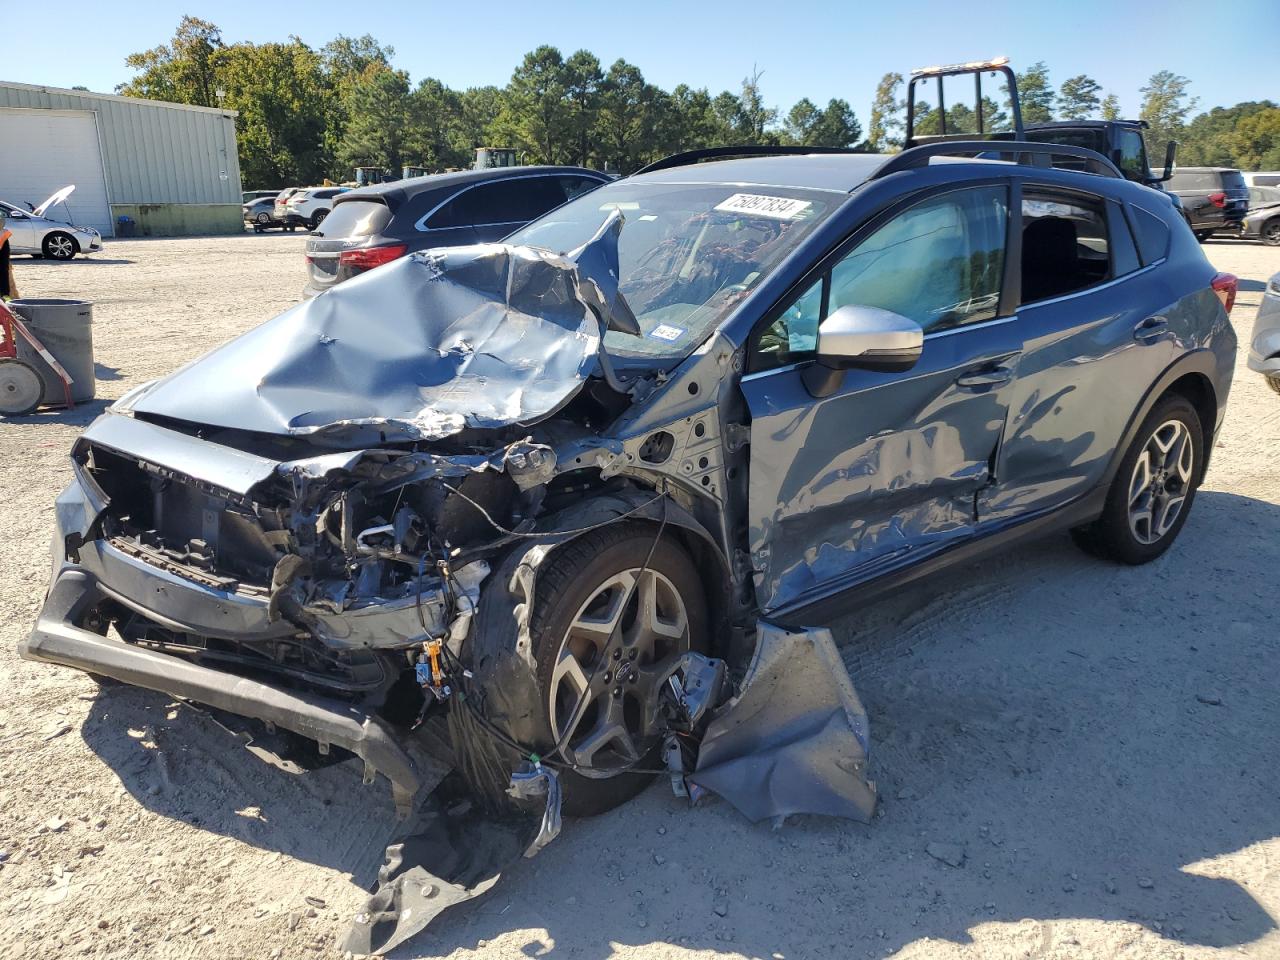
{"x":306,"y":114}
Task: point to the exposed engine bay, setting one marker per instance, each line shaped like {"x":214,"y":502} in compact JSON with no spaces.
{"x":373,"y":554}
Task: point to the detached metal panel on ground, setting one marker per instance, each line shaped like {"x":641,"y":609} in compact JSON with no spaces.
{"x":171,"y":167}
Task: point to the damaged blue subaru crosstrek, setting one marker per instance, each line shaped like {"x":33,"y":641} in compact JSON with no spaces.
{"x":679,"y":415}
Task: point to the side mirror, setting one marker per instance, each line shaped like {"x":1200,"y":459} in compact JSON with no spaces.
{"x":1170,"y":153}
{"x":860,"y":337}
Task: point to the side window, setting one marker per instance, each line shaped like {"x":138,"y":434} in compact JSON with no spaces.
{"x":575,"y":187}
{"x":1152,"y":234}
{"x":1124,"y":255}
{"x":939,"y":263}
{"x":1133,"y":155}
{"x":505,"y":201}
{"x":1064,"y":245}
{"x":794,"y":335}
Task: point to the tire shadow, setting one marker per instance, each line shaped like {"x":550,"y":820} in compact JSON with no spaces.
{"x":1055,"y":738}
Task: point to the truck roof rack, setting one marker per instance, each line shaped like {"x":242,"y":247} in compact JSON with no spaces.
{"x":689,"y":157}
{"x":1019,"y":151}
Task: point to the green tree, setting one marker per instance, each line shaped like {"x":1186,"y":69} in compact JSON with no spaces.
{"x":379,"y":133}
{"x":278,"y":91}
{"x":1165,"y":106}
{"x":1078,"y":97}
{"x":754,"y":118}
{"x":1255,"y":144}
{"x":1035,"y":93}
{"x":1210,"y":138}
{"x":1111,"y":107}
{"x":885,"y":126}
{"x":834,"y":126}
{"x":582,"y":80}
{"x":180,"y":71}
{"x":536,"y":112}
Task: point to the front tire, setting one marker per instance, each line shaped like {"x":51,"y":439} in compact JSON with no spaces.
{"x":60,"y":246}
{"x":1203,"y":235}
{"x":1154,"y":488}
{"x":318,"y":219}
{"x":607,"y":629}
{"x":1270,"y":232}
{"x":1273,"y":383}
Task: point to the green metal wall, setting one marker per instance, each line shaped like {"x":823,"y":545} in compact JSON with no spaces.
{"x":153,"y":152}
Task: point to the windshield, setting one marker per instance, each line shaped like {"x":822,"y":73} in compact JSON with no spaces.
{"x":688,"y":253}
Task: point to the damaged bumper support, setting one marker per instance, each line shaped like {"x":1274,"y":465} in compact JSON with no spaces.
{"x":56,"y":639}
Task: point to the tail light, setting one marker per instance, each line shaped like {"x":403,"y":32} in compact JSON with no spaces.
{"x":1225,"y":286}
{"x":1219,"y":199}
{"x":367,"y":258}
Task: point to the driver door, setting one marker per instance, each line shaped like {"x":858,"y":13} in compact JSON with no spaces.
{"x":888,"y":466}
{"x":23,"y":239}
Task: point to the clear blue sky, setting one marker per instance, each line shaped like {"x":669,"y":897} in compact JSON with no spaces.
{"x":814,"y":48}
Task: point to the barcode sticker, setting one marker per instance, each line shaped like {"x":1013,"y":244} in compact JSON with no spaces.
{"x":760,"y":205}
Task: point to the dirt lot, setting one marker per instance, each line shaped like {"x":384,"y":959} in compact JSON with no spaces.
{"x":1094,"y":747}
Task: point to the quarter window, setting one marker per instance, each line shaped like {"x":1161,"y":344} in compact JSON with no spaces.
{"x":1152,"y":235}
{"x":939,"y":263}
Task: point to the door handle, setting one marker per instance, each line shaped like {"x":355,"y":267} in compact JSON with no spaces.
{"x":1150,"y":329}
{"x":990,"y":377}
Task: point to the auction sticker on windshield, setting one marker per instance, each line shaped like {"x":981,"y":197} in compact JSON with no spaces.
{"x":760,"y":205}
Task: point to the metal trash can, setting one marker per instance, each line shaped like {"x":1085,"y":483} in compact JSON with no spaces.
{"x":65,"y":327}
{"x":125,"y":227}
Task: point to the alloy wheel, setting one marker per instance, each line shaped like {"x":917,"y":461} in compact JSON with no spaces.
{"x":619,"y":649}
{"x":1271,"y":233}
{"x":61,"y":248}
{"x":1161,"y":481}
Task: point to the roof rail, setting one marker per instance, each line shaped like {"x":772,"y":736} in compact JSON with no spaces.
{"x":1036,"y":154}
{"x":689,"y":157}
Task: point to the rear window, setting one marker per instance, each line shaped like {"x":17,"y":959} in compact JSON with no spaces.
{"x":1204,"y":180}
{"x":1234,"y":180}
{"x":1152,"y":234}
{"x":356,"y":218}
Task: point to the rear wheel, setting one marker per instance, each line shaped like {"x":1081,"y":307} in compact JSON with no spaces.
{"x":1154,"y":488}
{"x":608,"y":628}
{"x":263,"y":218}
{"x":1273,"y":383}
{"x":318,"y":218}
{"x":1270,"y":232}
{"x":1203,"y":235}
{"x":59,"y":246}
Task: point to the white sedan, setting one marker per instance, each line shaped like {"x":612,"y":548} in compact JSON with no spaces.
{"x":38,"y":234}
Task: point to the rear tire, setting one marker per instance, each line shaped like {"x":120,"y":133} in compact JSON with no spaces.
{"x":1153,"y":489}
{"x":318,"y":218}
{"x":1273,"y":383}
{"x":578,"y":585}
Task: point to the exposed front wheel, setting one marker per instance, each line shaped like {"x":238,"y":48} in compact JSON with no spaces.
{"x":1154,"y":488}
{"x":1270,"y":232}
{"x":609,"y":625}
{"x":59,"y":246}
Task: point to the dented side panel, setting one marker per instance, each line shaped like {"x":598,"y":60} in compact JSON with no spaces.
{"x":889,"y":463}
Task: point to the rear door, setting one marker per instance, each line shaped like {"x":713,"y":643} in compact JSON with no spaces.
{"x":1094,"y":339}
{"x":888,"y":466}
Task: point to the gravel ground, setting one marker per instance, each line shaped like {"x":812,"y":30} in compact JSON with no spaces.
{"x":1075,"y":759}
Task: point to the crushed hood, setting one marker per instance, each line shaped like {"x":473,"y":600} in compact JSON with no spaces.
{"x":481,"y":336}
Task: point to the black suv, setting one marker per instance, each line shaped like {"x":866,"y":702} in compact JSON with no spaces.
{"x":375,"y":225}
{"x":1213,"y":198}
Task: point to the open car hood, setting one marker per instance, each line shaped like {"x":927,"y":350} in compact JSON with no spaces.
{"x":54,"y":200}
{"x":490,"y":335}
